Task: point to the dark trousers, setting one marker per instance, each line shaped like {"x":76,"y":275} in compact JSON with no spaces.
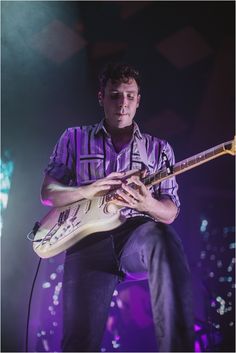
{"x":95,"y":266}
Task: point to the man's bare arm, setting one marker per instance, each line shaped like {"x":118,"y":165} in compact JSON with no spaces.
{"x":56,"y":194}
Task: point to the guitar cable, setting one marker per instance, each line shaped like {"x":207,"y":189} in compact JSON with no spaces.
{"x":29,"y":306}
{"x":34,"y":231}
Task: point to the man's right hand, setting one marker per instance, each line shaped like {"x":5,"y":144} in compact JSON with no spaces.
{"x":101,"y":185}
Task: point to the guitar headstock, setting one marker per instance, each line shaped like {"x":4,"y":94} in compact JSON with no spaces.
{"x":230,"y":147}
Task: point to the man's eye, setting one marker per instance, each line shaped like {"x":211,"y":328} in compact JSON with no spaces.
{"x":114,"y":95}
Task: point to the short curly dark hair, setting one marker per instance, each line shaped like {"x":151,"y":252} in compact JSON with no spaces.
{"x":118,"y":72}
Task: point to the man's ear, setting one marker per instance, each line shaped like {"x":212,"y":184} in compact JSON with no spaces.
{"x":138,"y":100}
{"x":100,"y":98}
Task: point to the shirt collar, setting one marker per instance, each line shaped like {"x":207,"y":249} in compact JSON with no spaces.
{"x":100,"y":126}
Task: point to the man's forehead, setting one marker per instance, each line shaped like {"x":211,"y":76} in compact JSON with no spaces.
{"x":130,"y":85}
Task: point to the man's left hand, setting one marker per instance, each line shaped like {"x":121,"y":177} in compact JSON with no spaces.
{"x":139,"y":198}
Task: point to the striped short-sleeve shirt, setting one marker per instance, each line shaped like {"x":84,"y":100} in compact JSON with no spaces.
{"x":86,"y":153}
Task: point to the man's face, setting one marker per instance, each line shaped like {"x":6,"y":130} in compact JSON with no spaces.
{"x":120,"y":101}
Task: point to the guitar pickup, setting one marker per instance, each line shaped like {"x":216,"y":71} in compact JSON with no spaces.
{"x":63,"y":217}
{"x":87,"y":206}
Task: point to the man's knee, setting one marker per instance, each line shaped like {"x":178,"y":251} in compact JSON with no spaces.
{"x":152,"y":234}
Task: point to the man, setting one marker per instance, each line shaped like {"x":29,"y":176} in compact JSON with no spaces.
{"x":89,"y":160}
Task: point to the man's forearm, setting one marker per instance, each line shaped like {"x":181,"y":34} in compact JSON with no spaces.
{"x":56,"y":194}
{"x":163,"y":210}
{"x":53,"y":193}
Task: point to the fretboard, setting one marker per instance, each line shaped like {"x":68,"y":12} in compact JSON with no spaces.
{"x":188,"y":163}
{"x":183,"y":166}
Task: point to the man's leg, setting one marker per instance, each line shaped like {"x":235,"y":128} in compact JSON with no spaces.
{"x":88,"y":285}
{"x":156,"y":248}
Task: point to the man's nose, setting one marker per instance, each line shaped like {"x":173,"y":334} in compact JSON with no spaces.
{"x":123,"y":101}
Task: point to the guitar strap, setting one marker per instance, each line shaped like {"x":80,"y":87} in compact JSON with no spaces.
{"x":79,"y":149}
{"x":142,"y":151}
{"x":78,"y":153}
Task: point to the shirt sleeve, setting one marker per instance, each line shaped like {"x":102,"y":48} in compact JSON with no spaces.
{"x":61,"y":162}
{"x":167,"y":188}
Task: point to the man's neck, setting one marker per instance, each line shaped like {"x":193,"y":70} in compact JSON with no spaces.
{"x":120,"y":136}
{"x":122,"y":133}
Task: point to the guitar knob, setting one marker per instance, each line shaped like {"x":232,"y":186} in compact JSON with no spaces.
{"x":110,"y":208}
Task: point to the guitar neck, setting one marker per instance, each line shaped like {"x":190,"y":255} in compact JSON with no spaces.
{"x":183,"y":166}
{"x":189,"y":163}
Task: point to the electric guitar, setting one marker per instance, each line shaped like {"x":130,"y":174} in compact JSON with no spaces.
{"x":64,"y":226}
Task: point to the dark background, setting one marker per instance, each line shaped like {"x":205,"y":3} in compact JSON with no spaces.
{"x":52,"y":52}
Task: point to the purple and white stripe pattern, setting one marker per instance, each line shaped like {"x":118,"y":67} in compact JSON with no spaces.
{"x":85,"y":154}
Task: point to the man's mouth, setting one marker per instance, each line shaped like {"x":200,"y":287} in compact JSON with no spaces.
{"x":121,"y":114}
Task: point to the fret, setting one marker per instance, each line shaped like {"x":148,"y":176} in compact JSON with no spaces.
{"x":210,"y":153}
{"x":163,"y":174}
{"x":147,"y":180}
{"x":192,"y":161}
{"x":151,"y":178}
{"x":219,"y":149}
{"x":177,"y":167}
{"x":183,"y":164}
{"x":200,"y":157}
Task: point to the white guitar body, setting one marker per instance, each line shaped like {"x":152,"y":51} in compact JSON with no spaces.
{"x":64,"y":226}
